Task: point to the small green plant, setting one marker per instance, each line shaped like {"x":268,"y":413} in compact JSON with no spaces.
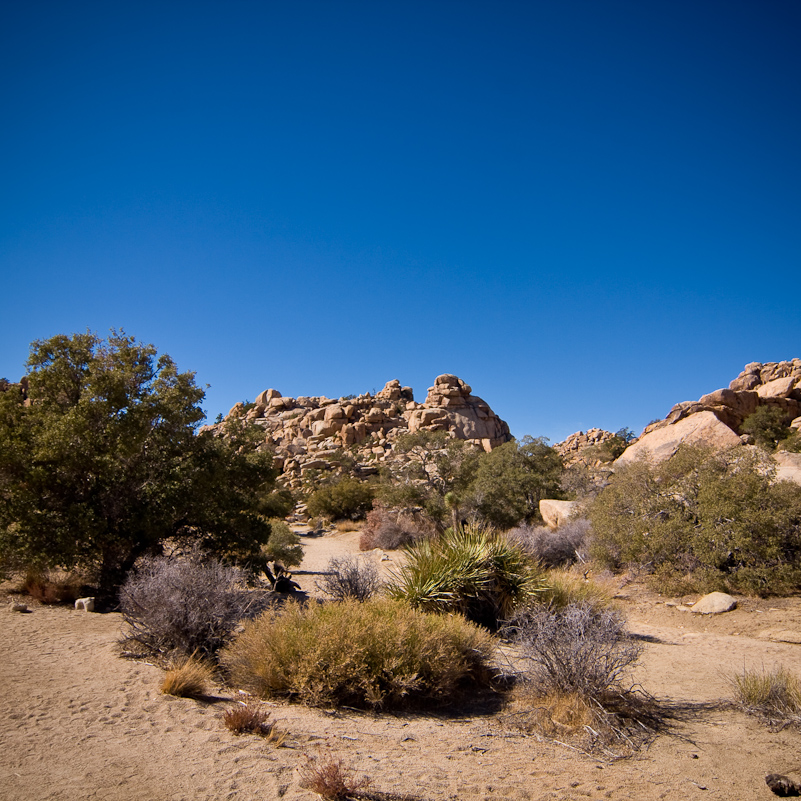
{"x":774,"y":696}
{"x":252,"y":718}
{"x":472,"y":571}
{"x":379,"y":654}
{"x":189,"y":678}
{"x":331,"y":779}
{"x":283,"y":545}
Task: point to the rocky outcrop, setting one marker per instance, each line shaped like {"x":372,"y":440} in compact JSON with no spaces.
{"x":716,"y":419}
{"x":319,"y":433}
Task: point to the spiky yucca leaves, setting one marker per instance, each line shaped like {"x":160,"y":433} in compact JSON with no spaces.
{"x":470,"y":570}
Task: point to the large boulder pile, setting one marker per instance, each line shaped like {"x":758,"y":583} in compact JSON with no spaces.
{"x":585,"y":448}
{"x":716,"y":419}
{"x":317,"y":433}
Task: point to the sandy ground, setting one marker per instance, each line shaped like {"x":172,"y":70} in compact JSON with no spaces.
{"x":79,"y":722}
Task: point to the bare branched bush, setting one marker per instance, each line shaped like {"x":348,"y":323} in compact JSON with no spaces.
{"x":350,"y":577}
{"x":252,"y":718}
{"x":391,"y":529}
{"x":188,"y":678}
{"x":331,"y":779}
{"x":187,"y":605}
{"x":580,"y":649}
{"x":554,"y":547}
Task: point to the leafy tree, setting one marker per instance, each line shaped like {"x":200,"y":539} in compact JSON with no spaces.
{"x":768,"y":425}
{"x":347,"y":498}
{"x":101,"y":464}
{"x":512,"y":479}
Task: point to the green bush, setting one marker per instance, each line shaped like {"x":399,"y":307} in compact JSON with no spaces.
{"x":283,"y":546}
{"x":470,"y":570}
{"x":348,"y":498}
{"x":379,"y":653}
{"x":767,"y":425}
{"x":703,"y":522}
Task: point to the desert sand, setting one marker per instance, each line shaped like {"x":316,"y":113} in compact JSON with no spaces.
{"x":79,"y":722}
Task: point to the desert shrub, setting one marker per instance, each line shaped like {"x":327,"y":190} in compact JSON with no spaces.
{"x":189,"y":678}
{"x":380,"y":653}
{"x":563,"y":588}
{"x":184,"y":604}
{"x":283,"y":545}
{"x":390,"y":529}
{"x":578,"y":649}
{"x":792,"y":443}
{"x":331,"y":779}
{"x":774,"y":696}
{"x":350,"y":577}
{"x":470,"y":570}
{"x":553,"y":548}
{"x":710,"y":522}
{"x":251,"y":718}
{"x":347,"y":498}
{"x":52,"y":587}
{"x":767,"y":425}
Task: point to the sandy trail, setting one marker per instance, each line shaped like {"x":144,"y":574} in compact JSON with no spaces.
{"x":78,"y":722}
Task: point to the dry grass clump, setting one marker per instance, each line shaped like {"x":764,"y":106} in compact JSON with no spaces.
{"x":188,"y":679}
{"x":350,"y":577}
{"x":331,"y":779}
{"x":563,"y":587}
{"x":344,"y":526}
{"x":250,"y":718}
{"x":52,"y":588}
{"x":774,"y":696}
{"x":379,"y":653}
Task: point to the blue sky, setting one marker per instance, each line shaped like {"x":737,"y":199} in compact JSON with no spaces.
{"x":589,"y":211}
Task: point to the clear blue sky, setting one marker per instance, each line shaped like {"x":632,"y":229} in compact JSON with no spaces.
{"x":587,"y":210}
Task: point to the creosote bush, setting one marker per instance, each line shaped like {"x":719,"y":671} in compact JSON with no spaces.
{"x":331,"y":779}
{"x":185,"y":604}
{"x":348,"y":498}
{"x":378,"y":654}
{"x":189,"y":678}
{"x":283,"y":546}
{"x":472,"y":571}
{"x":350,"y":577}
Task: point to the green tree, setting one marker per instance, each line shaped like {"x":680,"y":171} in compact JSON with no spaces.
{"x":101,"y":463}
{"x":510,"y":481}
{"x":767,"y":425}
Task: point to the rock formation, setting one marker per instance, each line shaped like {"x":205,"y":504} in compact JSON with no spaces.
{"x":716,"y":419}
{"x":317,"y":433}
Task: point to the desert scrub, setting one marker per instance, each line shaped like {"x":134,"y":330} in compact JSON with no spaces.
{"x":188,"y":678}
{"x":563,"y":587}
{"x":331,"y":779}
{"x":283,"y":546}
{"x":380,"y":654}
{"x":251,"y":718}
{"x":470,"y":570}
{"x":184,"y":604}
{"x":554,"y":547}
{"x":350,"y":577}
{"x":774,"y":696}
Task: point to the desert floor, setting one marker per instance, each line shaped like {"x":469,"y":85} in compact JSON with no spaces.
{"x":77,"y":721}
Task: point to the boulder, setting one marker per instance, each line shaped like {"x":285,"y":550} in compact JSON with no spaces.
{"x":85,"y":604}
{"x":702,"y":428}
{"x":789,"y":466}
{"x":556,"y":513}
{"x":778,"y":388}
{"x":714,"y":604}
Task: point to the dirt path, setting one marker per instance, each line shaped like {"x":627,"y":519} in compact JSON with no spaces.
{"x":78,"y":722}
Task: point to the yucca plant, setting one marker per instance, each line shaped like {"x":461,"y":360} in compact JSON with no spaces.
{"x":470,"y":570}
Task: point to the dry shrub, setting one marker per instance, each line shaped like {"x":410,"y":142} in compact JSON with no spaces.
{"x":189,"y":678}
{"x":331,"y":779}
{"x":350,"y":577}
{"x":578,"y":649}
{"x":187,"y":604}
{"x":53,"y":588}
{"x":379,"y":653}
{"x":344,"y":526}
{"x":390,"y":529}
{"x":554,"y":547}
{"x":774,"y":696}
{"x":250,"y":718}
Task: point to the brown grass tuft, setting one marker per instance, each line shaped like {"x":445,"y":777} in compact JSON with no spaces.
{"x":774,"y":696}
{"x":331,"y":779}
{"x":188,"y":679}
{"x":250,"y":718}
{"x":52,"y":588}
